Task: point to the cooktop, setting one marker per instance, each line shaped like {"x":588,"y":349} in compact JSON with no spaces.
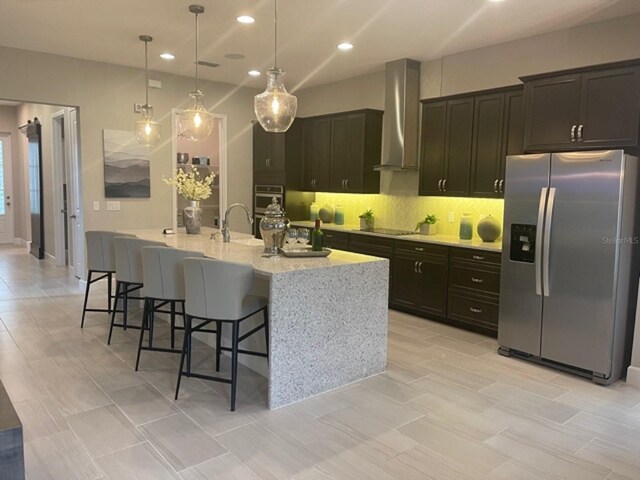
{"x":387,"y":231}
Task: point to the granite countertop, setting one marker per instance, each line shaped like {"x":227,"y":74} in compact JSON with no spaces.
{"x":448,"y":240}
{"x":243,"y":248}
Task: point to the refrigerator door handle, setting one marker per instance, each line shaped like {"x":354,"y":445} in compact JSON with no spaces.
{"x":547,"y":240}
{"x":538,"y":252}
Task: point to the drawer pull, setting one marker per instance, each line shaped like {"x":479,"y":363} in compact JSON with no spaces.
{"x":477,"y":280}
{"x":419,"y":249}
{"x":475,"y":310}
{"x":478,"y":257}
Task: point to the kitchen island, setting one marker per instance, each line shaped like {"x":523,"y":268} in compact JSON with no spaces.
{"x":327,"y":316}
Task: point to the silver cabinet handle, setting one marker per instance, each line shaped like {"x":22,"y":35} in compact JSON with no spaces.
{"x":547,"y":239}
{"x":501,"y":186}
{"x":346,"y":183}
{"x":539,"y":231}
{"x":342,"y":183}
{"x":495,"y":186}
{"x":268,"y":162}
{"x":573,"y":132}
{"x":444,"y":185}
{"x":477,"y":280}
{"x":477,"y":257}
{"x":420,"y":268}
{"x":419,"y":249}
{"x":475,"y":310}
{"x":415,"y":267}
{"x":440,"y":185}
{"x":580,"y":132}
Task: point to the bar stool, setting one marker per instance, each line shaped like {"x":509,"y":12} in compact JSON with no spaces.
{"x":128,"y":253}
{"x":217,"y":291}
{"x":163,"y":278}
{"x":100,"y":259}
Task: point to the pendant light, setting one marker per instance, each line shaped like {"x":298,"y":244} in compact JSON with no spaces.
{"x":196,"y":123}
{"x":275,"y":107}
{"x":146,"y":131}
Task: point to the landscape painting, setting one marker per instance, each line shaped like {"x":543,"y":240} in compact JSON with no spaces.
{"x":126,"y":166}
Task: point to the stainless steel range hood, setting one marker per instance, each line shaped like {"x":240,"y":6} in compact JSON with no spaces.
{"x":400,"y":124}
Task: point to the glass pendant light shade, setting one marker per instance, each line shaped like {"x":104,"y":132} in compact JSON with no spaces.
{"x":196,"y":123}
{"x":146,"y":130}
{"x":275,"y":107}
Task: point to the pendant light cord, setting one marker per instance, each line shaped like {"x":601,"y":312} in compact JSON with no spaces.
{"x":275,"y":33}
{"x":197,"y":38}
{"x":146,"y":72}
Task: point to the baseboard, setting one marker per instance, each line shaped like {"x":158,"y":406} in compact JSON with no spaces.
{"x":50,"y":257}
{"x":633,"y":376}
{"x":20,"y":241}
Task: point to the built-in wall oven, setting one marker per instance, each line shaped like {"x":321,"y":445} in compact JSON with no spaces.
{"x":262,"y":198}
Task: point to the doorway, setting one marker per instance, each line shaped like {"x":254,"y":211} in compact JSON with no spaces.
{"x":6,"y":200}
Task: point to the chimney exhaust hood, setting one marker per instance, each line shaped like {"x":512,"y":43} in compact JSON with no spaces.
{"x":401,"y":116}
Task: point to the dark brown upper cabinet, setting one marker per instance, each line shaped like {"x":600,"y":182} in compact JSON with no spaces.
{"x":340,"y":151}
{"x":446,"y":162}
{"x":498,"y":131}
{"x":277,"y":157}
{"x":581,"y":109}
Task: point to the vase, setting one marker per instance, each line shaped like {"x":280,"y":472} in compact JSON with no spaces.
{"x":327,"y":213}
{"x":489,"y":229}
{"x":192,"y":216}
{"x":466,"y":227}
{"x":366,"y":223}
{"x":428,"y":229}
{"x":339,"y":217}
{"x":313,"y":211}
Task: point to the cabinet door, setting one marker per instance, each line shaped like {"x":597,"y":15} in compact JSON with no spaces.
{"x":339,"y":153}
{"x":459,"y":133}
{"x":405,"y":286}
{"x":434,"y":121}
{"x":355,"y":151}
{"x":433,"y":284}
{"x":513,"y":134}
{"x":609,"y":108}
{"x":552,"y":108}
{"x":261,"y":149}
{"x":487,"y":149}
{"x":317,"y":153}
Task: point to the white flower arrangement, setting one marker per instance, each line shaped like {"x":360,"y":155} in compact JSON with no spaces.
{"x":190,"y":185}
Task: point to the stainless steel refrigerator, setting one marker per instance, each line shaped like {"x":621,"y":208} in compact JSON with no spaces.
{"x":569,"y":275}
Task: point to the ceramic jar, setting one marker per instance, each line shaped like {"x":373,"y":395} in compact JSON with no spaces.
{"x":339,"y":217}
{"x":327,"y":213}
{"x":273,"y":227}
{"x":192,"y":217}
{"x":489,"y":229}
{"x":466,"y":227}
{"x":313,"y":211}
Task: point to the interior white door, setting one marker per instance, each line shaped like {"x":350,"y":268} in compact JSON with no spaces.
{"x":74,"y":193}
{"x":6,"y":198}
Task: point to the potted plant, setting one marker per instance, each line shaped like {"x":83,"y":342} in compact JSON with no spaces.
{"x":428,"y":225}
{"x":194,"y":189}
{"x":367,"y":219}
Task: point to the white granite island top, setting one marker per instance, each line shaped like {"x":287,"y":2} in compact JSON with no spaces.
{"x":327,"y":316}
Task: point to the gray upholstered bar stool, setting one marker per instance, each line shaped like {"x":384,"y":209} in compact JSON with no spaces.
{"x":163,"y":278}
{"x":101,"y":260}
{"x":128,"y":251}
{"x":217,"y":291}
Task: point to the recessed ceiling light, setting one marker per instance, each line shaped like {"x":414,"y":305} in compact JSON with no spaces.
{"x":254,"y":73}
{"x":167,"y":56}
{"x":345,"y":46}
{"x":245,"y":19}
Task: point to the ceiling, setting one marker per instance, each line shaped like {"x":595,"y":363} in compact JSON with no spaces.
{"x":309,"y":31}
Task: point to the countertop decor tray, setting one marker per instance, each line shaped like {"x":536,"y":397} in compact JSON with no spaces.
{"x":307,"y":252}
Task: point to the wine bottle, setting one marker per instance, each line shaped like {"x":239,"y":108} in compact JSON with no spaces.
{"x":316,"y":239}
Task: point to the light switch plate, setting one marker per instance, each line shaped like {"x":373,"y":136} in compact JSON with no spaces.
{"x":96,"y":205}
{"x":451,"y":217}
{"x":113,"y":205}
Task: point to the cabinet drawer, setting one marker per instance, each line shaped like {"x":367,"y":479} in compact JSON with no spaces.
{"x":419,"y":248}
{"x":472,"y":255}
{"x":334,"y":239}
{"x":370,"y":245}
{"x":478,"y":311}
{"x":471,"y":277}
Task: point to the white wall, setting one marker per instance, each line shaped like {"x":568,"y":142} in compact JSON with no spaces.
{"x":105,"y":95}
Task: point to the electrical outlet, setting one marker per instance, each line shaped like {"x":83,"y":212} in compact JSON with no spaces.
{"x":451,"y":218}
{"x":113,"y":205}
{"x":96,"y":205}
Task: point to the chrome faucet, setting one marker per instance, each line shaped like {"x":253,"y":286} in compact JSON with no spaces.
{"x":225,"y":220}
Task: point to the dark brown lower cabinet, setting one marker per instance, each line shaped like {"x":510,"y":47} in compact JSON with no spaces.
{"x":337,"y":240}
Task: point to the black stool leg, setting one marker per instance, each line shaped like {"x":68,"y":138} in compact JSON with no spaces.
{"x":218,"y":344}
{"x":265,"y":312}
{"x":86,"y":298}
{"x":150,"y":314}
{"x":145,"y":315}
{"x":173,"y":323}
{"x":187,"y":334}
{"x":109,"y":292}
{"x":125,"y":306}
{"x":234,"y":364}
{"x":115,"y":308}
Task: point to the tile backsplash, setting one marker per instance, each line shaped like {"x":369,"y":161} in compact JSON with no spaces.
{"x":403,"y":212}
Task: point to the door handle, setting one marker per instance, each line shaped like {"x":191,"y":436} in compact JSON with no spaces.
{"x":547,"y":239}
{"x":420,"y":268}
{"x":501,"y":186}
{"x":477,"y":280}
{"x":495,"y":186}
{"x":444,"y":185}
{"x":477,"y":257}
{"x":539,"y":231}
{"x":346,"y":184}
{"x":72,"y":216}
{"x":415,"y":267}
{"x":475,"y":310}
{"x":440,"y":185}
{"x":573,"y":132}
{"x":580,"y":132}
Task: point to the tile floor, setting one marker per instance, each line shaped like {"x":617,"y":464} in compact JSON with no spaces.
{"x":448,"y":407}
